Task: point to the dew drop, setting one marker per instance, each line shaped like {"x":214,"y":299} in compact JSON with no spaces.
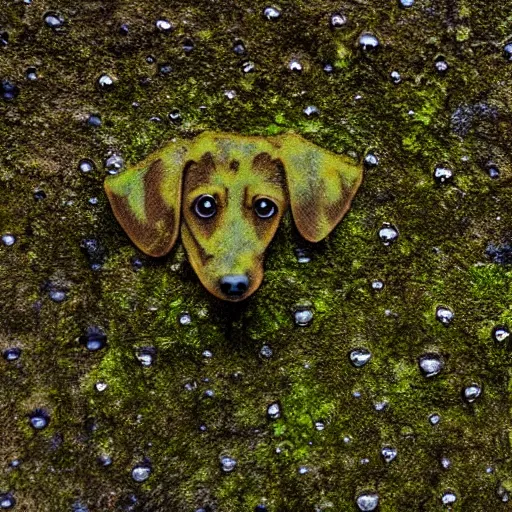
{"x":338,"y":20}
{"x":274,"y":411}
{"x":507,"y":52}
{"x":472,"y":393}
{"x":388,"y":233}
{"x":141,"y":473}
{"x":39,"y":419}
{"x":8,"y":240}
{"x":444,"y":315}
{"x":431,"y":365}
{"x":492,"y":170}
{"x":188,"y":45}
{"x":8,"y":90}
{"x":175,"y":116}
{"x":164,"y":69}
{"x":94,"y":339}
{"x":105,"y":82}
{"x":266,"y":352}
{"x":295,"y":65}
{"x":57,"y":295}
{"x":448,"y":498}
{"x":54,"y":20}
{"x":302,"y":255}
{"x":328,"y":68}
{"x":368,"y":42}
{"x":500,"y":333}
{"x":94,"y":120}
{"x":311,"y":110}
{"x":388,"y":453}
{"x":4,"y":38}
{"x":395,"y":76}
{"x":440,"y":64}
{"x":371,"y":160}
{"x":185,"y":318}
{"x":319,"y":425}
{"x":227,"y":463}
{"x":303,"y":470}
{"x":406,"y":3}
{"x":11,"y":354}
{"x":105,"y":460}
{"x":248,"y":67}
{"x":359,"y":357}
{"x":446,"y":463}
{"x":434,"y":419}
{"x":271,"y":13}
{"x":7,"y":501}
{"x":31,"y":73}
{"x":100,"y":386}
{"x":443,"y":175}
{"x":114,"y":163}
{"x":367,"y":501}
{"x":239,"y":47}
{"x":164,"y":26}
{"x":377,"y":285}
{"x":146,"y":356}
{"x":303,"y":316}
{"x":124,"y":29}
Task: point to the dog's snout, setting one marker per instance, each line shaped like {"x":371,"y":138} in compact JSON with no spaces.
{"x":234,"y":285}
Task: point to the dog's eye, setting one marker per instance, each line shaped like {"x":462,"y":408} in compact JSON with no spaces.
{"x":265,"y":208}
{"x":205,"y":206}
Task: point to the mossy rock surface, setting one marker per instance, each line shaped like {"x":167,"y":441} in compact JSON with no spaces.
{"x":191,"y":407}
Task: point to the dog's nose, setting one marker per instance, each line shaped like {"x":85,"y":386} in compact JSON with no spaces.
{"x":234,"y":284}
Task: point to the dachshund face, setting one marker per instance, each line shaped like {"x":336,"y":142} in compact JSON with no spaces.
{"x":228,"y":193}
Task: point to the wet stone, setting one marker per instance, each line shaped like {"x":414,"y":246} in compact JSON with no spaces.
{"x":443,"y":175}
{"x":105,"y":82}
{"x":388,"y":453}
{"x":7,"y":501}
{"x":141,"y":473}
{"x":367,"y":501}
{"x":431,"y":365}
{"x":114,"y":164}
{"x":359,"y":357}
{"x":471,"y":393}
{"x":8,"y":240}
{"x":39,"y":419}
{"x":388,"y":233}
{"x":448,"y":498}
{"x":338,"y":20}
{"x":8,"y":90}
{"x":94,"y":339}
{"x":368,"y":42}
{"x":146,"y":356}
{"x":227,"y":463}
{"x":164,"y":26}
{"x":54,"y":20}
{"x":11,"y":354}
{"x":444,"y":315}
{"x":274,"y":411}
{"x":271,"y":13}
{"x":500,"y":333}
{"x":303,"y":317}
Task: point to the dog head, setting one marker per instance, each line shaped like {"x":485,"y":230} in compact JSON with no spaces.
{"x":228,"y":193}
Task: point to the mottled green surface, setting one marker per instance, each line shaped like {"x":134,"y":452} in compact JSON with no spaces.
{"x":438,"y":259}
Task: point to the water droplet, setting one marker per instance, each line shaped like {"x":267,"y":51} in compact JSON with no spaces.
{"x":266,"y":352}
{"x":164,"y":69}
{"x":303,"y":470}
{"x":371,"y":160}
{"x":377,"y":285}
{"x":507,"y":52}
{"x":367,"y":501}
{"x":388,"y":233}
{"x":338,"y":20}
{"x":381,"y":406}
{"x":260,"y":508}
{"x":239,"y":47}
{"x":8,"y":90}
{"x":271,"y":13}
{"x":114,"y":163}
{"x":141,"y":473}
{"x":302,"y":255}
{"x":106,"y":82}
{"x":368,"y":42}
{"x":328,"y":68}
{"x":175,"y":116}
{"x":388,"y":453}
{"x":94,"y":120}
{"x":274,"y":411}
{"x":4,"y":38}
{"x":94,"y":201}
{"x":185,"y":318}
{"x":31,"y":73}
{"x":359,"y":357}
{"x":492,"y":170}
{"x":503,"y":492}
{"x":39,"y":419}
{"x":227,"y":463}
{"x":295,"y":65}
{"x":94,"y":339}
{"x":54,"y":20}
{"x":124,"y":29}
{"x":431,"y":364}
{"x":448,"y":498}
{"x":406,"y":3}
{"x":311,"y":110}
{"x":8,"y":239}
{"x":100,"y":386}
{"x":7,"y":501}
{"x":146,"y":356}
{"x":395,"y":76}
{"x":440,"y":64}
{"x":207,"y":354}
{"x":303,"y":316}
{"x":443,"y":175}
{"x":319,"y":425}
{"x":11,"y":354}
{"x":444,"y":315}
{"x":248,"y":66}
{"x":446,"y":462}
{"x":187,"y":45}
{"x":164,"y":26}
{"x":105,"y":460}
{"x":471,"y":393}
{"x":57,"y":295}
{"x":39,"y":195}
{"x":434,"y":419}
{"x":500,"y":333}
{"x":230,"y":94}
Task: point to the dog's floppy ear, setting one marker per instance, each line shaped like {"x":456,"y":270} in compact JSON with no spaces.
{"x":146,"y":199}
{"x":321,"y":185}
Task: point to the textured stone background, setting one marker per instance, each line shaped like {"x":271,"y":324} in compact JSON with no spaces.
{"x":453,"y":250}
